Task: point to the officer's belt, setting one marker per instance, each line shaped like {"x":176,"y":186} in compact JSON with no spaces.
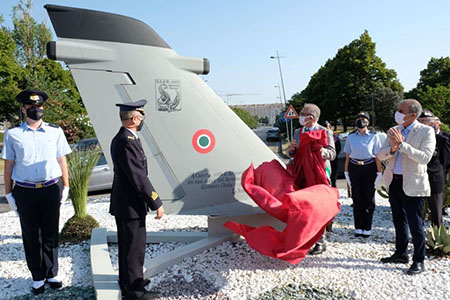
{"x":37,"y":185}
{"x":362,"y":162}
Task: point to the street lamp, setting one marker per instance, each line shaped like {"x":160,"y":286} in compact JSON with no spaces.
{"x":282,"y":85}
{"x":281,"y":74}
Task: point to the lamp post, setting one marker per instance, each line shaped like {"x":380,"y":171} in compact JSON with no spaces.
{"x":279,"y":91}
{"x":281,"y":74}
{"x":284,"y":92}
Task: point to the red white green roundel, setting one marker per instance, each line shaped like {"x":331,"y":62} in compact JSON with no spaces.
{"x":203,"y":141}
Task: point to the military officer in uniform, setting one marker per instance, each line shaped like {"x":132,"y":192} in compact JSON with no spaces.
{"x":362,"y":172}
{"x":438,"y":163}
{"x":131,"y":198}
{"x":36,"y":182}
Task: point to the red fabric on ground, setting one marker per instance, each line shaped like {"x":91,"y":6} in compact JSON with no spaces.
{"x":306,"y":212}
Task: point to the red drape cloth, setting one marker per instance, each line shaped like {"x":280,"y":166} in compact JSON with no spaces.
{"x":305,"y":211}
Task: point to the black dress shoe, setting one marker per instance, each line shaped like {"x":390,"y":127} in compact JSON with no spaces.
{"x":416,"y":268}
{"x":39,"y":290}
{"x":56,"y":285}
{"x":318,"y":249}
{"x":395,"y":259}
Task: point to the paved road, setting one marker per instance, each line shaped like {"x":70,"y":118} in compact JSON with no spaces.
{"x":275,"y":146}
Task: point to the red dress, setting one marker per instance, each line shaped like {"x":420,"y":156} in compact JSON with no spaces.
{"x":299,"y":196}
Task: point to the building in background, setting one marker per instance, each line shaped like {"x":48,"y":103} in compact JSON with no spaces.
{"x":262,"y":110}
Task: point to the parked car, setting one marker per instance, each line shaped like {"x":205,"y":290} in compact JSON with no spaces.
{"x":273,"y":134}
{"x":102,"y":176}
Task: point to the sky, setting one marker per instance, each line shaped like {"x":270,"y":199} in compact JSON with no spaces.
{"x":239,"y":36}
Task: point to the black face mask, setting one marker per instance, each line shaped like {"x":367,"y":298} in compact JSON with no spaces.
{"x":361,"y":123}
{"x":140,"y":126}
{"x":35,"y":113}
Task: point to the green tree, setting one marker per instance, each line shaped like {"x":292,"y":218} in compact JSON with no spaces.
{"x":64,"y":106}
{"x":344,"y":85}
{"x":437,"y":73}
{"x":433,"y":88}
{"x":245,"y":116}
{"x":386,"y":102}
{"x":280,"y":124}
{"x":264,"y":120}
{"x":436,"y":99}
{"x":10,"y":74}
{"x":31,"y":38}
{"x":24,"y":66}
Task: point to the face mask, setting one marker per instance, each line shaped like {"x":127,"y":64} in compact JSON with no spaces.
{"x":302,"y":120}
{"x":399,"y":118}
{"x":35,"y":113}
{"x":361,"y":123}
{"x":140,"y":126}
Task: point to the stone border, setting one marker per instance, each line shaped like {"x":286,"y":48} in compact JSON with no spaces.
{"x":105,"y":278}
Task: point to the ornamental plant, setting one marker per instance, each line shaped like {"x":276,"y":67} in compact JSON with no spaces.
{"x":80,"y":163}
{"x":438,"y":240}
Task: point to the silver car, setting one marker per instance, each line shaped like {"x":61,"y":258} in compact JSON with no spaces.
{"x":102,"y":176}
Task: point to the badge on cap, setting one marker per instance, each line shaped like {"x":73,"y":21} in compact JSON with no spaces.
{"x":137,"y":105}
{"x":33,"y":96}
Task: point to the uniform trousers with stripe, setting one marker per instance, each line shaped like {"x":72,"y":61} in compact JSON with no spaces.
{"x":131,"y":236}
{"x":362,"y":178}
{"x":39,"y":220}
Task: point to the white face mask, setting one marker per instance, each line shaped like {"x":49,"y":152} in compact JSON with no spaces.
{"x":303,"y":121}
{"x":399,"y":118}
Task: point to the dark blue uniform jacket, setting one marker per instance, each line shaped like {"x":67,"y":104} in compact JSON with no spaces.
{"x":132,"y":193}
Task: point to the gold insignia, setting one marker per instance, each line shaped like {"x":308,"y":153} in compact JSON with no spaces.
{"x":34,"y":97}
{"x":131,"y":137}
{"x":140,"y":110}
{"x":154,"y":195}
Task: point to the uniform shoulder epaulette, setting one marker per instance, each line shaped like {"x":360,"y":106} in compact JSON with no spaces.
{"x":14,"y":126}
{"x":353,"y":131}
{"x":131,"y":137}
{"x":53,"y":125}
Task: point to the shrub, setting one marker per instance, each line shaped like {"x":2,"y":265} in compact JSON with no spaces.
{"x":80,"y":164}
{"x":78,"y":229}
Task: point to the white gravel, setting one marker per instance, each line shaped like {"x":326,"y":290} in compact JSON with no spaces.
{"x":350,"y":265}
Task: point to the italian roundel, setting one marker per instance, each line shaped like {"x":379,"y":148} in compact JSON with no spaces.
{"x":203,"y":141}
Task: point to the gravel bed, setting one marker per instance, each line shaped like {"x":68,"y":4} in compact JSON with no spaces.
{"x":349,"y":269}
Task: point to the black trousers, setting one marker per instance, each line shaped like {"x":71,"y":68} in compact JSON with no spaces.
{"x":131,"y":235}
{"x":39,"y":219}
{"x":334,"y":171}
{"x":407,"y":211}
{"x":363,"y":193}
{"x":436,"y":202}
